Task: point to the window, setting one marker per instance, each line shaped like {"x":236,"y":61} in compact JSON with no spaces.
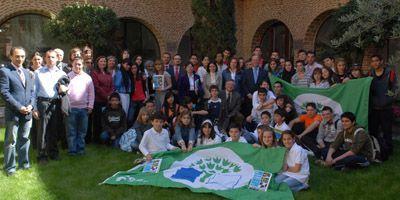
{"x":138,"y":39}
{"x":277,"y":37}
{"x":26,"y":30}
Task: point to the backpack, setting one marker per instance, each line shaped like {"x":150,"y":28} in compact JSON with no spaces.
{"x":128,"y":140}
{"x":379,"y":148}
{"x":380,"y":151}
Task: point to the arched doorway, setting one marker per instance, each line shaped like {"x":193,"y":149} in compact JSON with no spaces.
{"x":26,"y":30}
{"x":137,"y":38}
{"x":186,"y":45}
{"x":272,"y":36}
{"x":328,"y":30}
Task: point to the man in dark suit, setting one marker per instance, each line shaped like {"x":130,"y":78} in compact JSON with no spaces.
{"x":231,"y":103}
{"x":166,"y":59}
{"x":252,"y":78}
{"x":60,"y":56}
{"x":176,"y":71}
{"x":16,"y":88}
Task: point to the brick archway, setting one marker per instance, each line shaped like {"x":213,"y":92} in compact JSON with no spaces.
{"x":44,"y":13}
{"x":313,"y":28}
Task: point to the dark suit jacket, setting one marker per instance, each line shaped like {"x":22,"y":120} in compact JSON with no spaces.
{"x":184,"y":86}
{"x":226,"y":75}
{"x":14,"y":93}
{"x":249,"y":86}
{"x":232,"y":108}
{"x":174,"y":81}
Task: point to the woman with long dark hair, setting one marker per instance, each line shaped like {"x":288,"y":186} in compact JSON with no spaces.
{"x":123,"y":84}
{"x":103,"y":87}
{"x":139,"y":93}
{"x":211,"y":78}
{"x":288,"y":71}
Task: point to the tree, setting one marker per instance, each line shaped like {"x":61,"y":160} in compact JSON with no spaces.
{"x":85,"y":24}
{"x":368,"y":22}
{"x":214,"y":27}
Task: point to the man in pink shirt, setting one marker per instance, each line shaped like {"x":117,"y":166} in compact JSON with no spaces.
{"x":81,"y":97}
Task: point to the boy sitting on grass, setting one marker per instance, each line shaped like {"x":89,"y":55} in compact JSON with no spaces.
{"x":155,"y":139}
{"x":113,"y":121}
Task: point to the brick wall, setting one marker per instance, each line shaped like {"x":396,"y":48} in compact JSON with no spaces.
{"x":169,"y":20}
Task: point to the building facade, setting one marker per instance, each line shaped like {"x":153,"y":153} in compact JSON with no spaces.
{"x":153,"y":26}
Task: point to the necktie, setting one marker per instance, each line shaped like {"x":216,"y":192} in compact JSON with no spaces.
{"x":229,"y":98}
{"x":255,"y":74}
{"x":21,"y":76}
{"x":176,"y":73}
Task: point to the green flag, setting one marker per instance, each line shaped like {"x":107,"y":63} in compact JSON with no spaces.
{"x":223,"y":169}
{"x":352,"y":96}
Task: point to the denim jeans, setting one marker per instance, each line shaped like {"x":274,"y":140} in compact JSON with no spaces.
{"x":77,"y":128}
{"x":16,"y":142}
{"x":105,"y":137}
{"x":293,"y":184}
{"x":133,"y":112}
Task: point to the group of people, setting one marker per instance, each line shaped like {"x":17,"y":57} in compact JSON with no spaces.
{"x":169,"y":105}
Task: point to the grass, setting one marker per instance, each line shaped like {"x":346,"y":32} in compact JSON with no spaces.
{"x":78,"y":178}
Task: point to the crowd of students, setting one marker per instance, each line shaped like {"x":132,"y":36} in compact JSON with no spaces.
{"x":220,"y":99}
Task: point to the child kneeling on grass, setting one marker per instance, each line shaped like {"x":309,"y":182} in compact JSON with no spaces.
{"x":185,"y":135}
{"x":155,"y":139}
{"x":296,"y":169}
{"x":113,"y":120}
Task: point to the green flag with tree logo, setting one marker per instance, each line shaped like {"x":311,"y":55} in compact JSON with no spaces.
{"x":223,"y":169}
{"x":352,"y":96}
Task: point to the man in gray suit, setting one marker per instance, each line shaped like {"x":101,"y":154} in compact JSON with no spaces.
{"x":231,"y":102}
{"x":16,"y":89}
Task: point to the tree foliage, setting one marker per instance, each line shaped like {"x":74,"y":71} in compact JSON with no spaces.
{"x":367,"y":22}
{"x":214,"y":27}
{"x":84,"y":24}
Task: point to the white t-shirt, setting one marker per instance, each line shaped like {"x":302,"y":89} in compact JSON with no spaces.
{"x":153,"y":142}
{"x":282,"y":127}
{"x":256,"y":101}
{"x":241,"y":139}
{"x":298,"y":155}
{"x":208,"y":141}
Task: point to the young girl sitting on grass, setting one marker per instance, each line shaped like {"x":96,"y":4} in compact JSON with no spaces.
{"x":296,"y":170}
{"x":141,"y":125}
{"x":267,"y":138}
{"x":185,"y":135}
{"x":207,"y":134}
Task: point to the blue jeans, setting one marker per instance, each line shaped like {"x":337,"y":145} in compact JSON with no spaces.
{"x":105,"y":137}
{"x":16,"y":141}
{"x":77,"y":128}
{"x":133,"y":112}
{"x":293,"y":184}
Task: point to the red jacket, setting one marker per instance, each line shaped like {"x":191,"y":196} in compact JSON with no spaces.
{"x":103,"y":86}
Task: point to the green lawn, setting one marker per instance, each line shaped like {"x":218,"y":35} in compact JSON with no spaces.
{"x":78,"y":178}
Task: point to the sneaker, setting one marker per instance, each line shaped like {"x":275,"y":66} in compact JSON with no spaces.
{"x":10,"y":173}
